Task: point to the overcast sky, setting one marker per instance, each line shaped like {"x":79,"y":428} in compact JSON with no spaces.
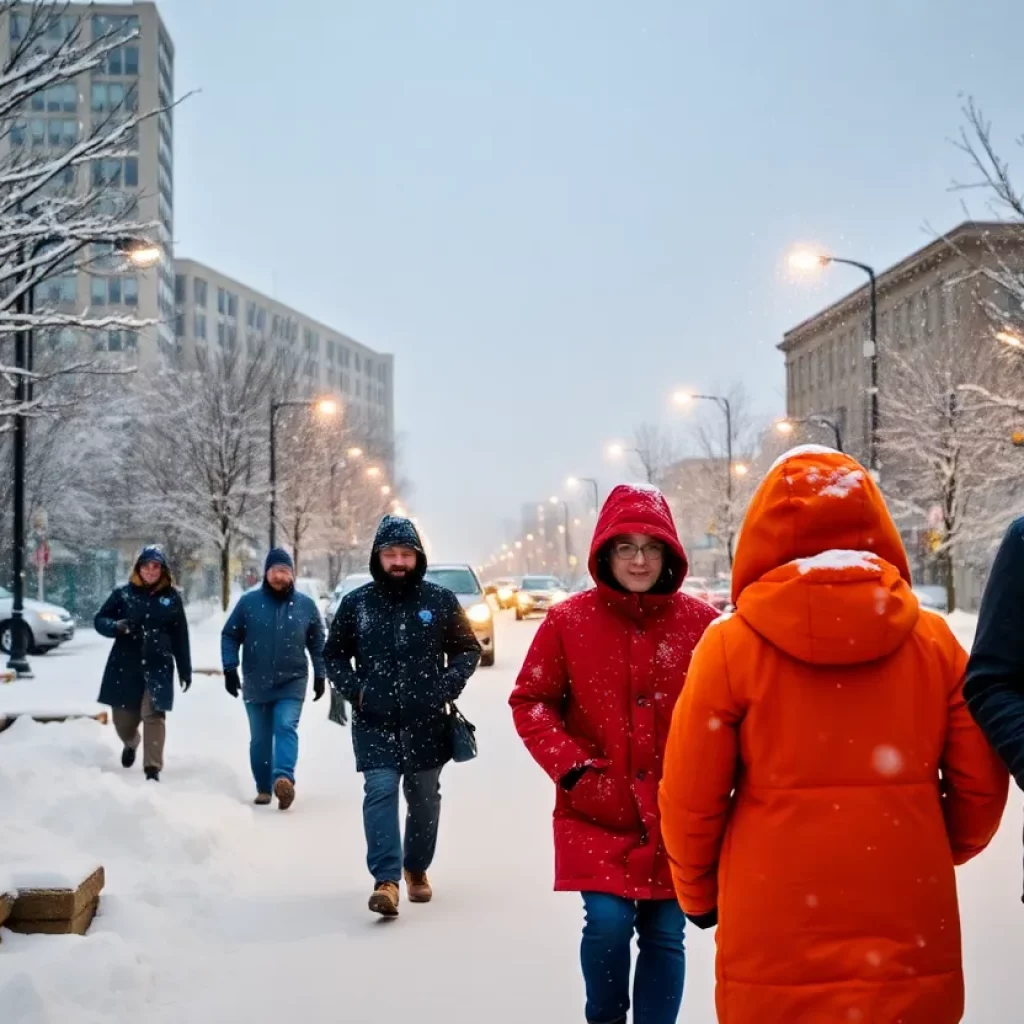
{"x":554,"y":211}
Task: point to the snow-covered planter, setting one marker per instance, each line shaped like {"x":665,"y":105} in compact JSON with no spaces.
{"x":56,"y":903}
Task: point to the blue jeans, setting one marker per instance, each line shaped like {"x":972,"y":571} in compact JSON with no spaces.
{"x":385,"y":855}
{"x":273,"y":741}
{"x":605,"y":955}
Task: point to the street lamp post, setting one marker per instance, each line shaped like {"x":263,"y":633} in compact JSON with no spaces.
{"x":683,"y":398}
{"x":590,"y":481}
{"x":327,"y":407}
{"x":806,"y":260}
{"x":140,"y":253}
{"x":786,"y":426}
{"x":568,"y":541}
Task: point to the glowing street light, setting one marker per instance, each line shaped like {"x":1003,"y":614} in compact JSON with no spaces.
{"x":784,"y":427}
{"x":143,"y":255}
{"x":1010,"y":339}
{"x":807,"y":261}
{"x":385,"y":490}
{"x":788,"y":426}
{"x":741,"y":469}
{"x":327,"y":407}
{"x":373,"y":472}
{"x":355,"y":453}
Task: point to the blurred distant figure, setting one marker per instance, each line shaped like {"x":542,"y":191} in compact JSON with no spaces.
{"x":146,"y":620}
{"x":274,"y":627}
{"x":400,"y":651}
{"x":823,"y":774}
{"x":593,"y":704}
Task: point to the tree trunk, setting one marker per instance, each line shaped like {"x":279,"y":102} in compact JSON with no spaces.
{"x":225,"y":575}
{"x":946,"y":561}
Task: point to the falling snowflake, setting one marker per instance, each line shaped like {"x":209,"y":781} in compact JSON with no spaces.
{"x":887,"y":760}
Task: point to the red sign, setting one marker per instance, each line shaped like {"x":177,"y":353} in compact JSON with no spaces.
{"x":42,"y":555}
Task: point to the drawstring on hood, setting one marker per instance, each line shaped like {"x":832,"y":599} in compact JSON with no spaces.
{"x":820,"y":570}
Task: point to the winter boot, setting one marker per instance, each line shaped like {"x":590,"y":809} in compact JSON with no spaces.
{"x":153,"y":774}
{"x":417,"y":886}
{"x":384,"y":900}
{"x":262,"y":799}
{"x":127,"y":757}
{"x":284,"y":790}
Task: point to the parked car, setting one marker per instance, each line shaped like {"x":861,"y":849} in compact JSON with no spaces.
{"x":464,"y":583}
{"x":718,"y":594}
{"x":696,"y":586}
{"x":349,"y":583}
{"x":538,"y":595}
{"x":314,"y":588}
{"x":933,"y":598}
{"x":48,"y":625}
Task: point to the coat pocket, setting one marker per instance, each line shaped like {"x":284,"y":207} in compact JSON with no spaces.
{"x":600,"y":797}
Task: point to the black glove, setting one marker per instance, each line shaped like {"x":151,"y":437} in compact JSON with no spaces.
{"x":231,"y":681}
{"x":319,"y":688}
{"x":704,"y":921}
{"x":185,"y":684}
{"x":125,"y":627}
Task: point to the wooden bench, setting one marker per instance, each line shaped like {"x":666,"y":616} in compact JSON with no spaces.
{"x":63,"y":910}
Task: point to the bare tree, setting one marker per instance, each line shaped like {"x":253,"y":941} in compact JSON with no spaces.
{"x":655,"y":450}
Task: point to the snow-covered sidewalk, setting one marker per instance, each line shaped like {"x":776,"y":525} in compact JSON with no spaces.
{"x":217,"y":912}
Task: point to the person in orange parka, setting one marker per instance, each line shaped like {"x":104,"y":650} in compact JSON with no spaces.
{"x":823,"y":775}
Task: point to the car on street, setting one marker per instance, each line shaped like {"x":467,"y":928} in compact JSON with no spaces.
{"x":538,"y":595}
{"x":345,"y":586}
{"x":48,"y":625}
{"x":464,"y":583}
{"x":505,"y":590}
{"x":718,"y":594}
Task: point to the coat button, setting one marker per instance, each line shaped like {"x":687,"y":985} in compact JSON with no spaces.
{"x":641,"y":775}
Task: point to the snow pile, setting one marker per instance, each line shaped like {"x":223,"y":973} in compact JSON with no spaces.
{"x":799,"y":450}
{"x":838,"y":560}
{"x":843,"y":483}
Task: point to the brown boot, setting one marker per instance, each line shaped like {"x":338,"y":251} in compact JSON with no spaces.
{"x":284,"y":790}
{"x":262,"y":799}
{"x":417,"y":886}
{"x":384,"y":900}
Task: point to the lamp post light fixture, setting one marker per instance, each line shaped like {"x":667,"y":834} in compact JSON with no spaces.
{"x":804,"y":260}
{"x":325,"y":407}
{"x":574,"y":482}
{"x":788,"y":426}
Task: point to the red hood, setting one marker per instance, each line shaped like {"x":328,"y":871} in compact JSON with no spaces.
{"x":632,"y":508}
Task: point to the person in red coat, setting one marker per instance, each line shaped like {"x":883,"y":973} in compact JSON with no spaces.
{"x":593,"y":704}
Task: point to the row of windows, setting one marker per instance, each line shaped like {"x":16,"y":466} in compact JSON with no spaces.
{"x":111,"y":96}
{"x":40,"y":131}
{"x":116,"y":172}
{"x":116,"y":341}
{"x":227,"y":303}
{"x":115,"y":291}
{"x":122,"y":61}
{"x":61,"y":98}
{"x":56,"y":28}
{"x":57,"y":291}
{"x":114,"y":24}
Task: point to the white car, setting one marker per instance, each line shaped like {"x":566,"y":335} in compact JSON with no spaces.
{"x":48,"y":625}
{"x":464,"y":583}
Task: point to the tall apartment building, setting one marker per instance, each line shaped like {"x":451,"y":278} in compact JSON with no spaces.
{"x":215,"y":311}
{"x":137,"y":76}
{"x":938,"y":288}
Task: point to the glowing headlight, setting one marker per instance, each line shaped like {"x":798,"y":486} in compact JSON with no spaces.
{"x":479,"y":613}
{"x":524,"y":598}
{"x":558,"y":596}
{"x":504,"y":595}
{"x":49,"y":617}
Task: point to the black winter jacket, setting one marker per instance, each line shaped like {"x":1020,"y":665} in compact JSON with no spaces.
{"x":413,"y":651}
{"x":994,"y":689}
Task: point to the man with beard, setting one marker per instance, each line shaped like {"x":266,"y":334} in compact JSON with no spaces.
{"x":400,"y":651}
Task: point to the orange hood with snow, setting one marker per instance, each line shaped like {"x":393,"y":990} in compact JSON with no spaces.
{"x":820,"y":570}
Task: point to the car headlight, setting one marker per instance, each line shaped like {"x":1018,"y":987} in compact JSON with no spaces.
{"x":505,"y":595}
{"x":558,"y":596}
{"x":479,"y":613}
{"x":524,"y":598}
{"x":49,"y":616}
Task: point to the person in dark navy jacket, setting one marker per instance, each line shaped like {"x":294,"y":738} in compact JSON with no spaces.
{"x":274,"y":627}
{"x":413,"y":650}
{"x":995,"y":675}
{"x":146,"y":620}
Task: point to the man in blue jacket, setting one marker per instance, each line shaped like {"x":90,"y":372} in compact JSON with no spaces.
{"x":400,"y":651}
{"x":274,"y":626}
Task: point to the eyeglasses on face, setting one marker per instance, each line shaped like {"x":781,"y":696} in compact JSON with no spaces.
{"x":627,"y":551}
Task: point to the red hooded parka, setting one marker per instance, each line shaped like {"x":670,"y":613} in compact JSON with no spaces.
{"x":599,"y":685}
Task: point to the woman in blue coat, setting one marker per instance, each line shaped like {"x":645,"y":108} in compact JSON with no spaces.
{"x":146,"y":620}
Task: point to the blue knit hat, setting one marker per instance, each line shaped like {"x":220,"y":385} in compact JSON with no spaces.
{"x":151,"y":553}
{"x":278,"y":556}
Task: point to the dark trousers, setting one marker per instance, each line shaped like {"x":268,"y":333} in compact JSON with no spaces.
{"x":386,"y":854}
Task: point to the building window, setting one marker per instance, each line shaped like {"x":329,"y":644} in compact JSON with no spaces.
{"x":199,"y":326}
{"x":232,"y":305}
{"x":123,"y":61}
{"x":37,"y":132}
{"x":199,"y":291}
{"x":222,"y":301}
{"x":358,"y":368}
{"x":180,"y":288}
{"x":222,"y":332}
{"x":261,"y":320}
{"x":110,"y":96}
{"x":131,"y":291}
{"x":179,"y":325}
{"x":104,"y":25}
{"x":56,"y":99}
{"x":115,"y":172}
{"x":58,"y":291}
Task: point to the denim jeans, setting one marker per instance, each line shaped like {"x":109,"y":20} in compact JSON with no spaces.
{"x":385,"y":855}
{"x":273,"y":741}
{"x":605,"y":955}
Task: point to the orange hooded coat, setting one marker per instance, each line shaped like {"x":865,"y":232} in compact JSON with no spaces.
{"x":823,"y":775}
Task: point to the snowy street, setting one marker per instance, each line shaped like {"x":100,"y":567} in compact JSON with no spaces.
{"x":216,"y":911}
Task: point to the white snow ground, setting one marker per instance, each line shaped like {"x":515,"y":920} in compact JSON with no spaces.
{"x":217,"y":912}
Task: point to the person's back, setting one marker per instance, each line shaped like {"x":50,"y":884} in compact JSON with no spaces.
{"x":802,"y":794}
